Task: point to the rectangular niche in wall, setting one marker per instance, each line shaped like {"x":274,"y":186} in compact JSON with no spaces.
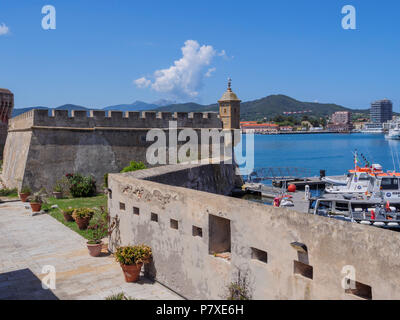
{"x":136,"y":211}
{"x":197,"y":232}
{"x":361,"y":290}
{"x":259,"y":255}
{"x":219,"y":235}
{"x":154,"y":217}
{"x":174,"y":224}
{"x":121,"y":206}
{"x":303,"y":269}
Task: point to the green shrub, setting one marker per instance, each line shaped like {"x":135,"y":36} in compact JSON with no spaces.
{"x":37,"y":197}
{"x":69,"y":211}
{"x":134,"y":166}
{"x":83,"y":213}
{"x":58,"y":188}
{"x":81,"y":186}
{"x":25,"y":189}
{"x":99,"y":227}
{"x":119,"y":296}
{"x":239,"y":289}
{"x":9,"y":192}
{"x":106,"y":181}
{"x":133,"y":254}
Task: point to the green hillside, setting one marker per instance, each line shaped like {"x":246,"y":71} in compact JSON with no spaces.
{"x":268,"y":107}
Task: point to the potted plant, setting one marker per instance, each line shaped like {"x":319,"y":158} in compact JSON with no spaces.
{"x":24,"y":193}
{"x":131,"y":259}
{"x":36,"y":201}
{"x":99,"y":230}
{"x":67,"y":213}
{"x":82,"y":217}
{"x":58,"y":191}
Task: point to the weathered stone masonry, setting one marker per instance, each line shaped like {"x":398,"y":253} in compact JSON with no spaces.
{"x":40,"y":149}
{"x":285,"y":254}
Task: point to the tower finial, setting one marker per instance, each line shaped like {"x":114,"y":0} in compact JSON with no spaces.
{"x":229,"y":83}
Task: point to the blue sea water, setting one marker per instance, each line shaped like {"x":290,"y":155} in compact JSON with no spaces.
{"x":330,"y":152}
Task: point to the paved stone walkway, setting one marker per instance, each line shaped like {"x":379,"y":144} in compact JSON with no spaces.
{"x":28,"y":243}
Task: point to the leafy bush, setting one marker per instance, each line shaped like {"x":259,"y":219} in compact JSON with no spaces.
{"x":133,"y":255}
{"x":9,"y":192}
{"x":99,"y":226}
{"x":83,"y":213}
{"x":239,"y":289}
{"x":58,"y":188}
{"x":25,"y":189}
{"x":69,"y":211}
{"x":81,"y":186}
{"x":119,"y":296}
{"x":63,"y":185}
{"x":134,"y":166}
{"x":37,"y":197}
{"x":106,"y":180}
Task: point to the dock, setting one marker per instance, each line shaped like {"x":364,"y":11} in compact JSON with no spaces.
{"x":313,"y":182}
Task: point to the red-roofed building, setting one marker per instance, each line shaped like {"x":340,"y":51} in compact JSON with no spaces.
{"x":286,"y":129}
{"x":259,"y":128}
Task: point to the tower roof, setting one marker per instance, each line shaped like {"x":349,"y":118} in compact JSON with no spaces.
{"x":229,"y":95}
{"x":4,"y":90}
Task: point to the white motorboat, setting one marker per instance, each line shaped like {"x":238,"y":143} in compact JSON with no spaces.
{"x":394,"y":133}
{"x":358,"y":180}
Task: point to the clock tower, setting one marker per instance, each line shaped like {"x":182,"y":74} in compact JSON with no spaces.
{"x":229,"y":109}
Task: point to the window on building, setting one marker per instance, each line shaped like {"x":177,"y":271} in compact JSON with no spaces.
{"x":136,"y":211}
{"x":360,"y":290}
{"x":174,"y":224}
{"x":121,"y":206}
{"x":197,"y":232}
{"x":259,"y":255}
{"x":303,"y":269}
{"x":219,"y":235}
{"x":154,"y":217}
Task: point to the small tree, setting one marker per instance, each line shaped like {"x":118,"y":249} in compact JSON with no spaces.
{"x":134,"y":166}
{"x":239,"y":289}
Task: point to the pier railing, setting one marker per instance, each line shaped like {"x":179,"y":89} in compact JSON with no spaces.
{"x":284,"y":173}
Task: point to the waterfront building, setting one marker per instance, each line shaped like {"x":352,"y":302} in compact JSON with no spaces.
{"x":359,"y":125}
{"x":341,"y":122}
{"x":373,"y":128}
{"x":286,"y":129}
{"x":229,"y":109}
{"x":381,"y":111}
{"x":6,"y":107}
{"x":259,"y":128}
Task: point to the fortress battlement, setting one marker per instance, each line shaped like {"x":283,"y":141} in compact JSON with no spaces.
{"x":113,"y":119}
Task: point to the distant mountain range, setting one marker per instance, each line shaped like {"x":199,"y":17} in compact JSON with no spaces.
{"x":267,"y":107}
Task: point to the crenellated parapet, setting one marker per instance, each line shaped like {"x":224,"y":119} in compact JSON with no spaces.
{"x":113,"y":119}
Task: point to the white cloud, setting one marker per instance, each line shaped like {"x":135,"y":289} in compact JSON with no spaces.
{"x":142,"y":82}
{"x":185,"y":77}
{"x":4,"y":29}
{"x":210,"y":72}
{"x":222,"y":53}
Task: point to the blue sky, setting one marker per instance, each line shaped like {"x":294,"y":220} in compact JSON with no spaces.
{"x":298,"y":48}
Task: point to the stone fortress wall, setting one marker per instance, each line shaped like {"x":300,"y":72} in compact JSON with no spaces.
{"x":6,"y":108}
{"x":42,"y":148}
{"x":194,"y":229}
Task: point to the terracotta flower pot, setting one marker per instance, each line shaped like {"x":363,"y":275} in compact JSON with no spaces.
{"x":95,"y":249}
{"x":132,"y":272}
{"x":82,"y":223}
{"x":24,"y":196}
{"x":68,"y":217}
{"x":58,"y":195}
{"x":36,"y":207}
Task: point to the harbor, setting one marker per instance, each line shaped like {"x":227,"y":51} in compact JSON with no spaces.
{"x":366,"y":194}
